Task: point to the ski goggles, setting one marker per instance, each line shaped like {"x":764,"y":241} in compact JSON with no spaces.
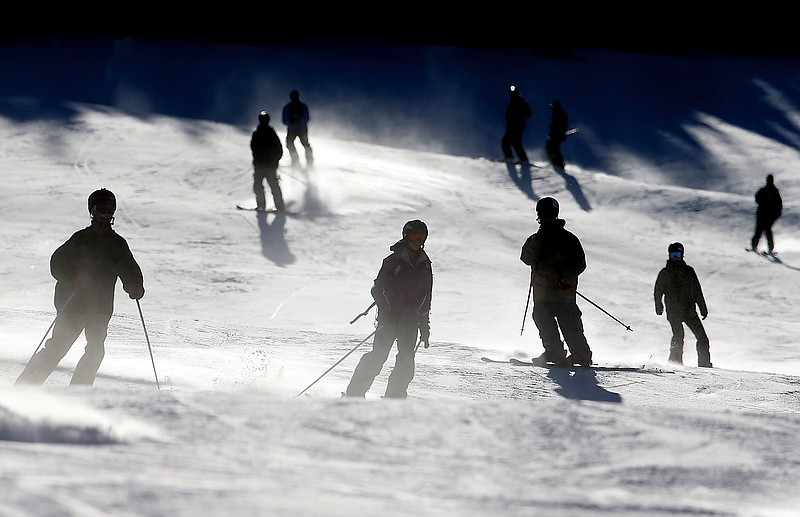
{"x":676,"y":254}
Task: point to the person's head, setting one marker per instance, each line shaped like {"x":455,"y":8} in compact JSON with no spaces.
{"x":770,"y":179}
{"x":414,"y":235}
{"x":102,"y":205}
{"x":675,"y":251}
{"x":555,"y":104}
{"x":546,"y":209}
{"x":263,"y":118}
{"x":294,"y":95}
{"x":513,"y":91}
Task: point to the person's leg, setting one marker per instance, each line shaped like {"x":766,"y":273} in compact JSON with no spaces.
{"x":676,"y":344}
{"x":768,"y":233}
{"x":544,"y":316}
{"x":403,"y":371}
{"x":307,"y":146}
{"x":371,"y":363}
{"x":275,"y":188}
{"x":96,"y":332}
{"x":505,"y":145}
{"x":258,"y":187}
{"x":290,"y":136}
{"x":66,"y":330}
{"x":516,"y":143}
{"x":703,"y":351}
{"x":558,"y":158}
{"x":571,"y":324}
{"x":757,"y":235}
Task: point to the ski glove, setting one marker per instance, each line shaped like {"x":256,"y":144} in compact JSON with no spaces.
{"x":136,"y":292}
{"x":425,"y":333}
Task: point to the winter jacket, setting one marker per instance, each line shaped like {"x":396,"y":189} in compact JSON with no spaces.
{"x":89,"y":263}
{"x":517,"y":113}
{"x":770,"y":204}
{"x":266,"y":146}
{"x":677,"y":283}
{"x":402,"y":290}
{"x":295,"y":116}
{"x":554,"y":254}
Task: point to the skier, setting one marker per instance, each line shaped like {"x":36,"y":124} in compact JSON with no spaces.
{"x":402,"y":292}
{"x":86,"y":268}
{"x":295,"y":117}
{"x":770,"y":206}
{"x":556,"y":258}
{"x":267,"y":151}
{"x":517,"y":113}
{"x":680,"y":289}
{"x":557,"y":134}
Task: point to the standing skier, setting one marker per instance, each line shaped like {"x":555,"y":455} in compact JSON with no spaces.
{"x":295,"y":117}
{"x":770,"y":206}
{"x":557,"y":134}
{"x":86,"y":268}
{"x":556,"y":258}
{"x":267,"y":151}
{"x":402,"y":291}
{"x":678,"y":285}
{"x":517,"y":113}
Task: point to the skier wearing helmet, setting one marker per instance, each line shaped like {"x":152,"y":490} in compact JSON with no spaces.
{"x":677,"y":284}
{"x":518,"y":112}
{"x":86,"y":268}
{"x":267,"y":152}
{"x":556,"y":258}
{"x":402,"y":291}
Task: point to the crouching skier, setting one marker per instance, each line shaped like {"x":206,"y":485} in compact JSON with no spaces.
{"x":402,"y":291}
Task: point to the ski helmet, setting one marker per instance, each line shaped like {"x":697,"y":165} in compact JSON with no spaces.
{"x":263,"y":118}
{"x":547,"y":207}
{"x":415,"y":226}
{"x":513,"y":91}
{"x":675,"y":250}
{"x":102,"y":197}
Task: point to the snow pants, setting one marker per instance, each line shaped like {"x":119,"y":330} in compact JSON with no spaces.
{"x":260,"y":173}
{"x":68,"y":327}
{"x":549,"y":317}
{"x":763,"y":227}
{"x":676,"y":344}
{"x":512,"y":139}
{"x":371,"y":363}
{"x":291,"y":136}
{"x":553,"y":149}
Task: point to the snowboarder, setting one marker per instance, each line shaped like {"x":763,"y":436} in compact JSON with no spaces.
{"x":556,"y":258}
{"x":402,"y":291}
{"x":295,"y":117}
{"x":770,"y":206}
{"x":86,"y":268}
{"x":517,"y":113}
{"x":267,"y":151}
{"x":678,"y":285}
{"x":557,"y":134}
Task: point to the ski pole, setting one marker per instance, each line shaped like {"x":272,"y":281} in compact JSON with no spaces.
{"x":53,"y":323}
{"x":363,"y":313}
{"x":525,"y":316}
{"x":602,"y":309}
{"x":339,"y":361}
{"x":148,"y":343}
